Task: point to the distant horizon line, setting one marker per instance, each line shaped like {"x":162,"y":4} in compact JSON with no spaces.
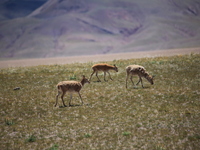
{"x":96,"y":58}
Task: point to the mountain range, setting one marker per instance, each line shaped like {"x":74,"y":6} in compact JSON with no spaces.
{"x":57,"y":28}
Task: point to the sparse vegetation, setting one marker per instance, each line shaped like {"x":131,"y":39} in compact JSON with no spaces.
{"x":126,"y":133}
{"x":54,"y":147}
{"x":87,"y":135}
{"x":31,"y":138}
{"x":161,"y":116}
{"x":9,"y":121}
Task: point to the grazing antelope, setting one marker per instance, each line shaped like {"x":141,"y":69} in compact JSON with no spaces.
{"x":140,"y":71}
{"x":103,"y":67}
{"x":70,"y":86}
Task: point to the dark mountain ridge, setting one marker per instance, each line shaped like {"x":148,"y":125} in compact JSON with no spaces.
{"x":10,"y":9}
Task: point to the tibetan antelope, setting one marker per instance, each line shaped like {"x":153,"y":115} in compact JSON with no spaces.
{"x":140,"y":71}
{"x":103,"y":67}
{"x":70,"y":86}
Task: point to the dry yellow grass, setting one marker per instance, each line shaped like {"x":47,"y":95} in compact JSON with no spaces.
{"x":163,"y":116}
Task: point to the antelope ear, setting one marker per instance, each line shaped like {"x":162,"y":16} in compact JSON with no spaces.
{"x":83,"y":76}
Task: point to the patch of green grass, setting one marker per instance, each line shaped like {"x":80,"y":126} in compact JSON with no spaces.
{"x":9,"y":122}
{"x":87,"y":135}
{"x":54,"y":147}
{"x":195,"y":137}
{"x":72,"y":77}
{"x":31,"y":138}
{"x":126,"y":133}
{"x":161,"y":116}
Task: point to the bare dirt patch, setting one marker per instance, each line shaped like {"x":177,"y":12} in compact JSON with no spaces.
{"x":95,"y":58}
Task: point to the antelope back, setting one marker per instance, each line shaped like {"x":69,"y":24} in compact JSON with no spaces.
{"x":69,"y":86}
{"x":136,"y":70}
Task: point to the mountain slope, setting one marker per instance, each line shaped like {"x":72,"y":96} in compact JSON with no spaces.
{"x":72,"y":27}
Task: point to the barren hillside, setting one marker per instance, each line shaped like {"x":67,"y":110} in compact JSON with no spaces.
{"x":57,"y":28}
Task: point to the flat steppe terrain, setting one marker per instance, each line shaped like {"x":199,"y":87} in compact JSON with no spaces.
{"x":162,"y":116}
{"x":95,"y":58}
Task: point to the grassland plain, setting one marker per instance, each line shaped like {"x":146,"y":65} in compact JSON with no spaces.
{"x":162,"y":116}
